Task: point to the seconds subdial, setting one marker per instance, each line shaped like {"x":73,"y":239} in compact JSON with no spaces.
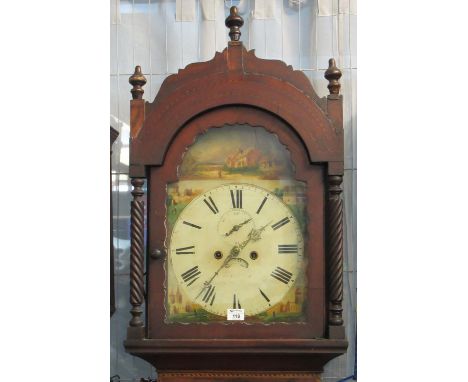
{"x":233,"y":224}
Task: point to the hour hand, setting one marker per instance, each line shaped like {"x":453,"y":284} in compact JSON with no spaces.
{"x":255,"y":234}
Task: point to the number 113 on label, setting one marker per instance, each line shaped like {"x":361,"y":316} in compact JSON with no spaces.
{"x":235,"y":314}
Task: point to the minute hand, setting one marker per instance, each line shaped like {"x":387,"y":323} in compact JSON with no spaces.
{"x":233,"y":253}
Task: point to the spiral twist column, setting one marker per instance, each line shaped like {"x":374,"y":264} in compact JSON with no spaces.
{"x":335,"y":251}
{"x":136,"y":253}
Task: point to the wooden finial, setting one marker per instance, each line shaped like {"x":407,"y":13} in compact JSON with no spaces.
{"x":137,"y":80}
{"x":333,"y":74}
{"x":234,"y":23}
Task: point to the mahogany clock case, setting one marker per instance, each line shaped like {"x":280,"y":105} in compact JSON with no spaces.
{"x":237,"y":88}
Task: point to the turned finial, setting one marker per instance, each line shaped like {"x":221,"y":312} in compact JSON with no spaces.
{"x":137,"y":80}
{"x":234,"y":22}
{"x":333,"y":74}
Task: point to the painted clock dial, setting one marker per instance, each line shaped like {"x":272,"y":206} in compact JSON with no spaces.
{"x":235,"y":224}
{"x":236,"y":246}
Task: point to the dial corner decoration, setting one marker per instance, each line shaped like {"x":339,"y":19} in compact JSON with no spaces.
{"x":235,"y":231}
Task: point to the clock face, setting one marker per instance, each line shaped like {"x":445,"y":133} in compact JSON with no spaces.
{"x":236,"y":246}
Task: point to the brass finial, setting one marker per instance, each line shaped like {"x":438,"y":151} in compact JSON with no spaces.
{"x":333,"y":74}
{"x":234,"y":23}
{"x":137,"y":80}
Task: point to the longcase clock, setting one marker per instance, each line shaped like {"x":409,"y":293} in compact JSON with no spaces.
{"x":243,"y":166}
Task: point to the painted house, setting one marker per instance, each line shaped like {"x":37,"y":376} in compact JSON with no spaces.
{"x":244,"y":158}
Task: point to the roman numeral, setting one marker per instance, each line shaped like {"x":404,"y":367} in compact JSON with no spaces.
{"x":265,"y":296}
{"x":185,"y":250}
{"x":262,"y":204}
{"x":281,"y":223}
{"x":211,"y":205}
{"x":191,"y":224}
{"x":212,"y":299}
{"x":236,"y":304}
{"x":287,"y":248}
{"x":209,"y":294}
{"x":191,"y":275}
{"x":282,"y":275}
{"x":237,"y":200}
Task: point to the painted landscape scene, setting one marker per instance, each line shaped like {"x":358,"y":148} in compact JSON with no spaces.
{"x":181,"y":309}
{"x":235,"y":152}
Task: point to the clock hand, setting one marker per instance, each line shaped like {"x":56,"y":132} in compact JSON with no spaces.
{"x":254,"y":235}
{"x":233,"y":253}
{"x":237,"y":227}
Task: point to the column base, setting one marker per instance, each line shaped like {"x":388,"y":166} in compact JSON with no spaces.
{"x":336,"y":332}
{"x":136,"y":332}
